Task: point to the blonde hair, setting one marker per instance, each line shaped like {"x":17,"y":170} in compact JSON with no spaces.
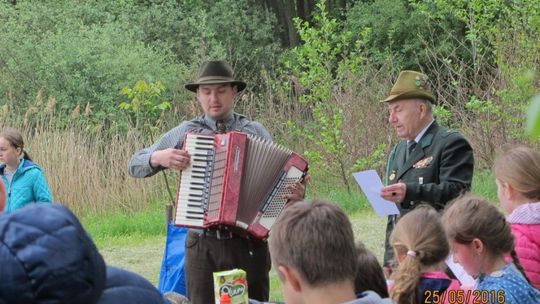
{"x":419,"y":236}
{"x":471,"y":217}
{"x":520,"y":167}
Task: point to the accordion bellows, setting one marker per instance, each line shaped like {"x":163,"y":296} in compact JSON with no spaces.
{"x":236,"y":180}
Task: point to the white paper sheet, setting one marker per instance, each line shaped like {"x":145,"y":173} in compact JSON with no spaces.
{"x":371,"y":184}
{"x":465,"y":279}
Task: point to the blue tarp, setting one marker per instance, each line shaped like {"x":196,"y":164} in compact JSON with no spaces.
{"x":172,"y":276}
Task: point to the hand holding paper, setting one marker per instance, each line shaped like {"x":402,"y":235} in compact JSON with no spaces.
{"x":371,"y":185}
{"x":394,"y":192}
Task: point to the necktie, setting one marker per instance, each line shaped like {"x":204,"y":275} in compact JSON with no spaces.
{"x":221,"y":127}
{"x":410,"y":147}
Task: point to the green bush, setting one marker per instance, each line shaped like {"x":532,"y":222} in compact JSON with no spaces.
{"x":327,"y":68}
{"x":83,"y":53}
{"x":45,"y":46}
{"x":399,"y":30}
{"x":195,"y":31}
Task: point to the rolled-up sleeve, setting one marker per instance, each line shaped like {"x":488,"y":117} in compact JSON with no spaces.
{"x":139,"y":164}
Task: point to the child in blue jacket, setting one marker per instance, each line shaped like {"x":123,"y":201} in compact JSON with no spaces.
{"x":23,"y":180}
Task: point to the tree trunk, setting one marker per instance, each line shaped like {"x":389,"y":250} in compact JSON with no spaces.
{"x":304,"y":9}
{"x":289,"y":12}
{"x":272,"y":6}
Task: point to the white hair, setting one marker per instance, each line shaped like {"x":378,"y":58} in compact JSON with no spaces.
{"x":427,"y":103}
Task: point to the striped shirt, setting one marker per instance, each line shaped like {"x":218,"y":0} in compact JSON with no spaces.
{"x":525,"y":214}
{"x":139,"y":164}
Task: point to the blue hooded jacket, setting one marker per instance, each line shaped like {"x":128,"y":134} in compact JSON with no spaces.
{"x":27,"y":186}
{"x":47,"y":257}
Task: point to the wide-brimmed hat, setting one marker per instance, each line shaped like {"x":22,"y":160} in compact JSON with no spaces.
{"x":215,"y":72}
{"x":410,"y":84}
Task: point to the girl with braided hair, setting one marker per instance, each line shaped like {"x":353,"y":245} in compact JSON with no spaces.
{"x":480,"y":238}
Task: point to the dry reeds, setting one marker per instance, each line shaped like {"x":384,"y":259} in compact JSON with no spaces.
{"x":88,"y":171}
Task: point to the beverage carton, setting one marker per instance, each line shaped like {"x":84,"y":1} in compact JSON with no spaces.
{"x":232,"y":282}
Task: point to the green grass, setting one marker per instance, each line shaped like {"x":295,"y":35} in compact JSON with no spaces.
{"x":351,"y":203}
{"x":484,"y":185}
{"x":133,"y":241}
{"x":118,"y":228}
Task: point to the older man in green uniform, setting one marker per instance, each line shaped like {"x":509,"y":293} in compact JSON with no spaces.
{"x":431,"y":164}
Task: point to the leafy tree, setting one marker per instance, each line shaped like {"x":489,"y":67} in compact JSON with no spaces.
{"x":144,"y":105}
{"x":495,"y":85}
{"x":194,"y":31}
{"x":321,"y":65}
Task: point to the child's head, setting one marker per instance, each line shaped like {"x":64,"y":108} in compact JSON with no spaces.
{"x":517,"y":173}
{"x":312,"y":246}
{"x":370,"y":274}
{"x":11,"y":146}
{"x":478,"y":234}
{"x":419,"y":243}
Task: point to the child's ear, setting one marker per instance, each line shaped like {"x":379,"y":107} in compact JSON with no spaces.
{"x":510,"y":191}
{"x":290,"y":276}
{"x":400,"y":255}
{"x":478,"y":246}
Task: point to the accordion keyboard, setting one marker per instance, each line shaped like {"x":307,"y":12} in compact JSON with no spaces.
{"x":192,"y":197}
{"x":235,"y":180}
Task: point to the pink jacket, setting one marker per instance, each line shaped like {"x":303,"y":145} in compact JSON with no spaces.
{"x":525,"y":224}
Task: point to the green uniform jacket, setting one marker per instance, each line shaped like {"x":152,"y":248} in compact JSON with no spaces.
{"x":438,"y":170}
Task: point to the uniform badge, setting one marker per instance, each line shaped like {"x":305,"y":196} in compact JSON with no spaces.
{"x":423,"y":163}
{"x":421,"y":82}
{"x":393,"y":175}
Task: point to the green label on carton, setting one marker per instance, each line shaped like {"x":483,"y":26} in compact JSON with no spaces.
{"x":232,"y":282}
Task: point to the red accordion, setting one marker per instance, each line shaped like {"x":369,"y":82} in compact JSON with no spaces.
{"x":236,"y":180}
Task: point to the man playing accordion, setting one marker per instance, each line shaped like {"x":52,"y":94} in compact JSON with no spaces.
{"x":212,"y":250}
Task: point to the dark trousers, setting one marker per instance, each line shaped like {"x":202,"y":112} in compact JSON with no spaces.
{"x":389,"y":258}
{"x":205,"y":254}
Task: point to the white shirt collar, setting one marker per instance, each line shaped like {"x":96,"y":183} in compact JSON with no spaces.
{"x":419,"y":136}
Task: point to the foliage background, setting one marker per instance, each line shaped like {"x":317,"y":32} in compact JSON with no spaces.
{"x":90,"y":82}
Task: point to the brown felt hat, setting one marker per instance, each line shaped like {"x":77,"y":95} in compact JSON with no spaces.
{"x":410,"y":84}
{"x":215,"y":72}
